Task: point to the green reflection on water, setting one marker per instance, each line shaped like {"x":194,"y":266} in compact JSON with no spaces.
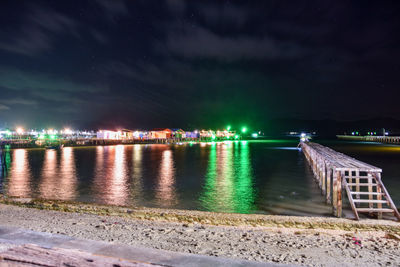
{"x":229,"y":179}
{"x":7,"y":159}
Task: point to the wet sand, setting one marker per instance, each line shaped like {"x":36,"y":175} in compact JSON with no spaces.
{"x":280,"y":239}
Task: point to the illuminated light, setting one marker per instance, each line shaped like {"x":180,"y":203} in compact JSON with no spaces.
{"x":52,"y":136}
{"x":228,"y":128}
{"x":244,"y":129}
{"x":67,"y":131}
{"x":41,"y":136}
{"x":236,"y":136}
{"x":374,"y":133}
{"x":213,"y":137}
{"x":254,"y":135}
{"x":356,"y":133}
{"x":8,"y":132}
{"x":352,"y":133}
{"x":303,"y":135}
{"x":20,"y":130}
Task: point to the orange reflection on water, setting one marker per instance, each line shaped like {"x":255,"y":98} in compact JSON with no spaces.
{"x":165,"y":193}
{"x":20,"y":174}
{"x":68,"y":182}
{"x":58,"y":182}
{"x":49,"y":186}
{"x":110,"y":181}
{"x":136,"y":180}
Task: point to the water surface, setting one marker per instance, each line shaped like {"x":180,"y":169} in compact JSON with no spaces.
{"x":270,"y":177}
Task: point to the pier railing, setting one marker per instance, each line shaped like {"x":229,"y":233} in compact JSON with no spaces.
{"x":362,"y":182}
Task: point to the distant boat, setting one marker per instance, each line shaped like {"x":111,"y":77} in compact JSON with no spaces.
{"x":55,"y":147}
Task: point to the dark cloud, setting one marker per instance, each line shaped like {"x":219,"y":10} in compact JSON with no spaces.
{"x":38,"y":31}
{"x":203,"y":43}
{"x":4,"y":107}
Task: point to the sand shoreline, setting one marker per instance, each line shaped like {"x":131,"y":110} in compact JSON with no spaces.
{"x":311,"y":241}
{"x":209,"y":218}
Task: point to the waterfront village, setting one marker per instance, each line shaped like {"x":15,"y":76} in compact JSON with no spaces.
{"x":48,"y":135}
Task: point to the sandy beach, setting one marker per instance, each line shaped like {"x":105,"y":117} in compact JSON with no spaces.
{"x":296,"y":240}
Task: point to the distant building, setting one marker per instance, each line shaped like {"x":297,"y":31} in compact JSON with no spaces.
{"x":193,"y":134}
{"x":160,"y":133}
{"x":106,"y":134}
{"x":178,"y":133}
{"x":126,"y":134}
{"x":205,"y":133}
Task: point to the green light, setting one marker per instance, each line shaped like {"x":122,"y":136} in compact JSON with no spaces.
{"x":213,"y":137}
{"x":236,"y":136}
{"x":244,"y":129}
{"x":228,"y":137}
{"x":41,"y":136}
{"x":52,"y":136}
{"x":228,"y":128}
{"x":8,"y":132}
{"x":254,"y":135}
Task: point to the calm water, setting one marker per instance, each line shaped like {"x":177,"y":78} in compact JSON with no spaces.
{"x":245,"y":177}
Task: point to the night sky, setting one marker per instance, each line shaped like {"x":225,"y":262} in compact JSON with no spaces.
{"x":145,"y":64}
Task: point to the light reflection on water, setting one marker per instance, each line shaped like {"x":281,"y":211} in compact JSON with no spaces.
{"x":243,"y":177}
{"x":229,"y":179}
{"x":165,"y":190}
{"x":58,"y":181}
{"x":20,"y":174}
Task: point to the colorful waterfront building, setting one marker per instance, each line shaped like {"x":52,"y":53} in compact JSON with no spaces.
{"x":178,"y":133}
{"x":193,"y":134}
{"x":160,"y":133}
{"x":106,"y":134}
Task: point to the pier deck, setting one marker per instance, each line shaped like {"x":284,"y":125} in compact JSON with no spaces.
{"x":335,"y":172}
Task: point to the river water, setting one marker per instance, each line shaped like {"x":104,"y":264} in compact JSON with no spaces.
{"x":269,"y":176}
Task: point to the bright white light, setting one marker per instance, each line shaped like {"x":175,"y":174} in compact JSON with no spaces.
{"x":67,"y":131}
{"x":303,"y":135}
{"x":20,"y":130}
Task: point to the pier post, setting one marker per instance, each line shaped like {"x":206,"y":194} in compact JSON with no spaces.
{"x":328,"y":186}
{"x":379,"y":191}
{"x":334,"y":193}
{"x":324,"y":178}
{"x":339,"y":192}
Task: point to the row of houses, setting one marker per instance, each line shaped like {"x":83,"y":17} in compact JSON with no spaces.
{"x":164,"y":133}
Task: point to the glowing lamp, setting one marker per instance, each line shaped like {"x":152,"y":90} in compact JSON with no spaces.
{"x":228,"y":128}
{"x":244,"y":129}
{"x":20,"y":130}
{"x":254,"y":135}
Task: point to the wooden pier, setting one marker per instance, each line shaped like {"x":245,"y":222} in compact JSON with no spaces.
{"x":373,"y":138}
{"x":337,"y":173}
